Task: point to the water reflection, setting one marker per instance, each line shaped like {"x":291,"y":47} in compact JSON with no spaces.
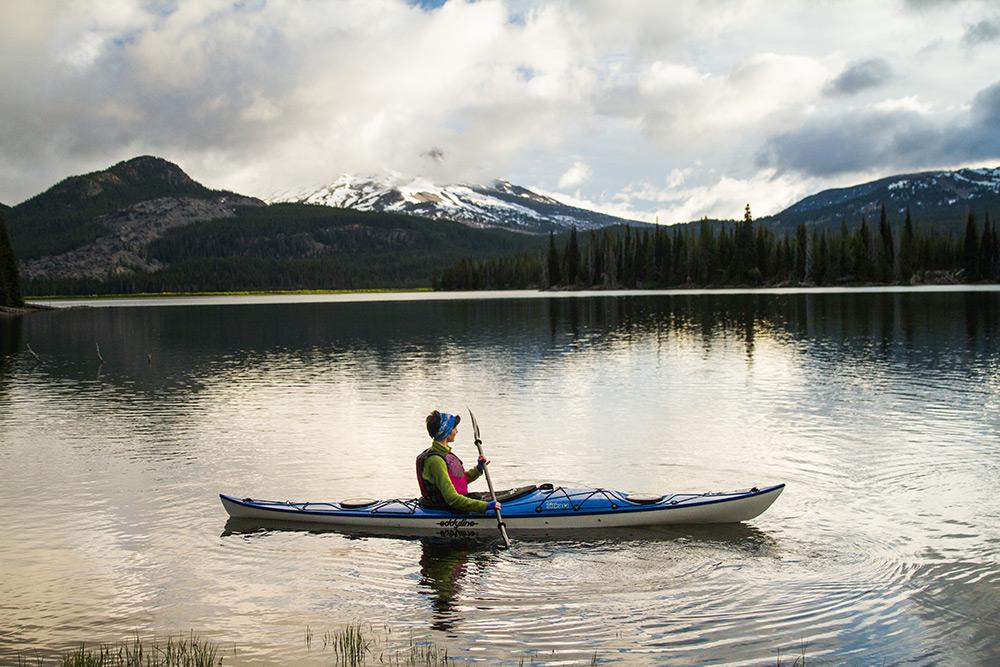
{"x":880,"y":410}
{"x":155,"y":347}
{"x":443,"y":567}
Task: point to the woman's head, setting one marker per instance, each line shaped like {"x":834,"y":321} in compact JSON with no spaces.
{"x":443,"y":426}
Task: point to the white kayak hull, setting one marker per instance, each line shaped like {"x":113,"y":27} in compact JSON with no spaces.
{"x":543,"y":511}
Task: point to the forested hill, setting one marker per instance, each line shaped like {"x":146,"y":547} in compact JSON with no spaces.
{"x":936,"y":200}
{"x":67,"y":215}
{"x":293,"y":246}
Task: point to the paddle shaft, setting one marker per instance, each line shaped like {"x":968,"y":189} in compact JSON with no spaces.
{"x":489,"y":483}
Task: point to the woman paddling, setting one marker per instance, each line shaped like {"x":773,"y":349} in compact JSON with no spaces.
{"x":443,"y":479}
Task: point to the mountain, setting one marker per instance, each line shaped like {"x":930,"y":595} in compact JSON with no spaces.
{"x":500,"y":204}
{"x":935,"y":198}
{"x":97,"y":225}
{"x":145,"y":225}
{"x":76,"y":211}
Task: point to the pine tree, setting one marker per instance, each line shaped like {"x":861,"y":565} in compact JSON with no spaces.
{"x":707,"y":252}
{"x":552,"y":276}
{"x":801,"y":250}
{"x":907,"y":251}
{"x":994,"y":251}
{"x":821,"y":259}
{"x":743,"y":248}
{"x":985,"y":246}
{"x":886,"y":252}
{"x":861,"y":252}
{"x":970,"y":249}
{"x":10,"y":288}
{"x":572,"y":259}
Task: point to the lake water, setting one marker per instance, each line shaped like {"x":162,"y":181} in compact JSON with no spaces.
{"x":879,"y":409}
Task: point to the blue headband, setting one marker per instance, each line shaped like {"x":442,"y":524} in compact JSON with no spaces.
{"x":448,"y":423}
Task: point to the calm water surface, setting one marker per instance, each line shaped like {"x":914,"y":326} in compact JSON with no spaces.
{"x":880,"y":410}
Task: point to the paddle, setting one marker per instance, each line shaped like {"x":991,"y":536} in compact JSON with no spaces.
{"x":486,"y":468}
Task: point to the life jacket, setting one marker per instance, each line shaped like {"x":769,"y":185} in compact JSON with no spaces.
{"x":430,"y":495}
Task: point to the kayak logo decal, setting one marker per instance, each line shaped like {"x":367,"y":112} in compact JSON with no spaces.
{"x":453,"y":528}
{"x":456,"y":523}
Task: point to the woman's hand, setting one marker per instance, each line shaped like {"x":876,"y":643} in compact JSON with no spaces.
{"x":493,"y":506}
{"x":483,"y":462}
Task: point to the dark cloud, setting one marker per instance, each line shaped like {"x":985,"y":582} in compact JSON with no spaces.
{"x":986,"y":107}
{"x":435,"y":154}
{"x":867,"y":139}
{"x":858,"y":76}
{"x":984,"y":31}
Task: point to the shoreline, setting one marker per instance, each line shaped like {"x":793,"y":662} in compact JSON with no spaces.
{"x":51,"y":302}
{"x":169,"y":295}
{"x":31,"y":301}
{"x":26,"y":309}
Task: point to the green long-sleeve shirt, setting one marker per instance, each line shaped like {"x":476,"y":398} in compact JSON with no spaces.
{"x":436,"y":473}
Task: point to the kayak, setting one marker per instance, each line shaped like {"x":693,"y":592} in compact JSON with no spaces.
{"x":532,"y":509}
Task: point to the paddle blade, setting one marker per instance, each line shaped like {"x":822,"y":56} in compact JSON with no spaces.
{"x":475,"y":424}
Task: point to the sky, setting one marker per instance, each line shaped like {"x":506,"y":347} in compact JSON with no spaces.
{"x":652,"y":110}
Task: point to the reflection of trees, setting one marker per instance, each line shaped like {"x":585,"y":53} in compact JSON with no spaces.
{"x":10,"y":345}
{"x":188,"y":344}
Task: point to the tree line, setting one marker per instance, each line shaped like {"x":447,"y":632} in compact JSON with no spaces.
{"x":714,"y":254}
{"x":10,"y":287}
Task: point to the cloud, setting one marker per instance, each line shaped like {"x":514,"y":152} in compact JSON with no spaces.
{"x":576,"y":175}
{"x":266,"y":96}
{"x":434,"y":154}
{"x":983,"y":31}
{"x":895,"y":138}
{"x":858,"y":76}
{"x":720,"y":198}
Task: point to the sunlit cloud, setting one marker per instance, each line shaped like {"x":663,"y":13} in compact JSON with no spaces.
{"x":703,"y":104}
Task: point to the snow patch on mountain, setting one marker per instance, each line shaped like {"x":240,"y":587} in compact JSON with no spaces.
{"x":499,"y":204}
{"x":916,"y":191}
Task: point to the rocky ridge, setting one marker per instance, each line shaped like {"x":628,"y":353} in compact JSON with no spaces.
{"x":129,"y":232}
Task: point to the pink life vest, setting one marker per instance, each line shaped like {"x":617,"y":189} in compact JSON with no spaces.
{"x":456,"y":472}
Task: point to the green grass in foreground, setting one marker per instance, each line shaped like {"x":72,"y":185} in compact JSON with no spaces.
{"x":175,"y":652}
{"x":354,"y":645}
{"x":156,"y":295}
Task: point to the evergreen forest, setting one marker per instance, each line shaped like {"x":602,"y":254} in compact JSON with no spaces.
{"x":714,"y":254}
{"x":10,"y":288}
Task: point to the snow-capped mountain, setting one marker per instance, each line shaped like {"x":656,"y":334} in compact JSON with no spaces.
{"x":931,"y":196}
{"x":499,"y":204}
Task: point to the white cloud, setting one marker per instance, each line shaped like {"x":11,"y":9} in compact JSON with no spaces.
{"x":721,"y":198}
{"x":669,"y":100}
{"x":576,"y":175}
{"x":908,"y":103}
